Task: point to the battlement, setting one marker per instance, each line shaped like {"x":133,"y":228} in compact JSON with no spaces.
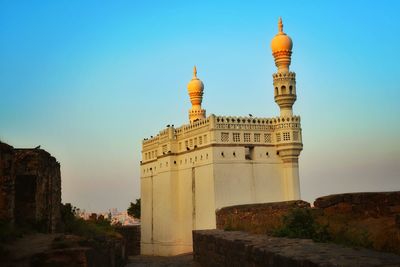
{"x":254,"y":123}
{"x":184,"y":129}
{"x":230,"y":123}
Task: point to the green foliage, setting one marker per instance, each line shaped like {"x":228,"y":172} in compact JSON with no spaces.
{"x":300,"y":223}
{"x":134,"y":209}
{"x":97,"y":226}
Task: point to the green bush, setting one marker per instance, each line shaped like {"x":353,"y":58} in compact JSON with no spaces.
{"x":134,"y":209}
{"x":300,"y":223}
{"x":97,"y":226}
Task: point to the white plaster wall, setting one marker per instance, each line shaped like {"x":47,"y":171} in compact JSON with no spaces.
{"x":205,"y":198}
{"x":174,"y":213}
{"x":240,"y":181}
{"x":146,"y":216}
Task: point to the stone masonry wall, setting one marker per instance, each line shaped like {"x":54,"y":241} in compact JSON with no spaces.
{"x":374,"y":204}
{"x":7,"y":182}
{"x":39,"y":165}
{"x":214,"y":248}
{"x":131,"y":235}
{"x":30,"y":188}
{"x":256,"y":218}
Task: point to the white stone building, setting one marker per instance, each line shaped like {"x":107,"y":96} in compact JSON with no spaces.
{"x":189,"y":172}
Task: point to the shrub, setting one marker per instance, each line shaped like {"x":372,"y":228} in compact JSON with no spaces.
{"x":96,"y":227}
{"x":134,"y":209}
{"x":300,"y":223}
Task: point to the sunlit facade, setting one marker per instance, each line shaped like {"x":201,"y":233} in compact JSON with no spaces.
{"x":189,"y":172}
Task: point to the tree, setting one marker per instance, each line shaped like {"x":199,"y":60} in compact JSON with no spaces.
{"x":134,"y":209}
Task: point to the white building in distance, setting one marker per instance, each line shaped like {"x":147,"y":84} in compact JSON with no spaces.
{"x":187,"y":173}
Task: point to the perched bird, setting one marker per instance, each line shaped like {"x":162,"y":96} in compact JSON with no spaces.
{"x":187,"y":148}
{"x":38,"y":147}
{"x":168,"y":126}
{"x":250,"y":115}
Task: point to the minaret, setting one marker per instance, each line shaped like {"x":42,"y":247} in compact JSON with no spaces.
{"x":195,"y":89}
{"x":284,"y":80}
{"x":290,"y":145}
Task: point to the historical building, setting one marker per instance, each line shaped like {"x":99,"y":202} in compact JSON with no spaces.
{"x":216,"y":161}
{"x":30,"y":188}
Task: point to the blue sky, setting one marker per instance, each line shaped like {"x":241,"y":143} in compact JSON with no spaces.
{"x":88,"y":80}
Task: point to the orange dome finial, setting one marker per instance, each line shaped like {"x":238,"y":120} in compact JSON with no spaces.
{"x":194,"y":72}
{"x":195,"y":90}
{"x":281,"y":46}
{"x":280,"y":25}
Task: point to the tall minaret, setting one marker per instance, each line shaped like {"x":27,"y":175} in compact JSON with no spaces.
{"x":284,"y":80}
{"x":290,"y":146}
{"x":195,"y":89}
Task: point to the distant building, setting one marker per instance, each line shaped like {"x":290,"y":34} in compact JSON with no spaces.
{"x":117,"y":217}
{"x":216,"y":161}
{"x":30,"y":188}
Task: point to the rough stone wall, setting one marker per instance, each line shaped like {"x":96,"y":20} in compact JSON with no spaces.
{"x":39,"y":165}
{"x":131,"y":234}
{"x":221,"y":248}
{"x":7,"y":182}
{"x":256,"y":218}
{"x":30,"y":188}
{"x":370,"y":220}
{"x":374,"y":204}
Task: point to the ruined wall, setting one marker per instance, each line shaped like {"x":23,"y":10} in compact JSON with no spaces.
{"x":370,"y":220}
{"x":131,"y":234}
{"x":216,"y":248}
{"x":30,"y":188}
{"x":256,"y":218}
{"x":7,"y":180}
{"x":374,"y":204}
{"x":38,"y":177}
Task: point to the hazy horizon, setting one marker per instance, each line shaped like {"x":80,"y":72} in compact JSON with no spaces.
{"x":88,"y":81}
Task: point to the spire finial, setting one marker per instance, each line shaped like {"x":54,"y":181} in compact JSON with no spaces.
{"x":194,"y":72}
{"x":280,"y":25}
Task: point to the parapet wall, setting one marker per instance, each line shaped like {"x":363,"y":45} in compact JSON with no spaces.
{"x":256,"y":218}
{"x":218,"y":248}
{"x":372,"y":204}
{"x":370,"y":220}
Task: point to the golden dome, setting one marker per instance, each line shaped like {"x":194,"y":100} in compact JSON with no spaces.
{"x":281,"y":41}
{"x":195,"y":85}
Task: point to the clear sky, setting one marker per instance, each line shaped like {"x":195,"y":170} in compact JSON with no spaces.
{"x":88,"y":80}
